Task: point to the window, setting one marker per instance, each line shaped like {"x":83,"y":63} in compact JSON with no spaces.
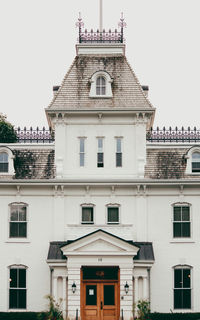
{"x":3,"y":162}
{"x":182,"y":287}
{"x":196,"y":162}
{"x":82,"y":151}
{"x":113,"y":214}
{"x":18,"y":220}
{"x":17,"y":287}
{"x":118,"y":152}
{"x":181,"y":221}
{"x":100,"y":86}
{"x":88,"y":214}
{"x":100,"y":153}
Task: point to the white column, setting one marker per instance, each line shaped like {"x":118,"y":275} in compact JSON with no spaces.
{"x":136,"y":289}
{"x":145,"y":292}
{"x":64,"y":296}
{"x":55,"y":288}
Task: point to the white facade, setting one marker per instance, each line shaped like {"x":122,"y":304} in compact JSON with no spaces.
{"x":145,"y":205}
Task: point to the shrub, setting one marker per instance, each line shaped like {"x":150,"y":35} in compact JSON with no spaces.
{"x":7,"y":132}
{"x":53,"y":313}
{"x":175,"y":316}
{"x":143,"y":309}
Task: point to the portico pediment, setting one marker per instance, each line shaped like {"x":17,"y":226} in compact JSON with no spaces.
{"x":100,"y":243}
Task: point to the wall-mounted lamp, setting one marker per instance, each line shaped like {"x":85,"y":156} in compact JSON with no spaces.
{"x":73,"y":287}
{"x":126,"y":287}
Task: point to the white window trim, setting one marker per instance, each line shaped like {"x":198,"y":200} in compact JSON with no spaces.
{"x":87,"y":205}
{"x":17,"y":266}
{"x":18,"y":239}
{"x":93,"y":80}
{"x":11,"y":157}
{"x":181,"y":239}
{"x":182,"y":266}
{"x":113,"y":205}
{"x":188,"y":157}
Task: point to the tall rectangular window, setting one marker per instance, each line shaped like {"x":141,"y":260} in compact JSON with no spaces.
{"x":100,"y":155}
{"x":181,"y":222}
{"x":17,"y":288}
{"x":87,"y":215}
{"x":118,"y":152}
{"x":182,"y":288}
{"x":18,"y":220}
{"x":113,"y":215}
{"x":82,"y":151}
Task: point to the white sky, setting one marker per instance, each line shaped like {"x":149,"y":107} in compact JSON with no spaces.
{"x":38,"y":37}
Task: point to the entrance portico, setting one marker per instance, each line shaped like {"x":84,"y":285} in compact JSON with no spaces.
{"x":99,"y":266}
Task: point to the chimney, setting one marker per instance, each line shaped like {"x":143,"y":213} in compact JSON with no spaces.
{"x":55,"y":89}
{"x":146,"y":90}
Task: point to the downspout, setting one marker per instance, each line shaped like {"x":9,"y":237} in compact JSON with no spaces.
{"x":51,"y":276}
{"x":149,"y":285}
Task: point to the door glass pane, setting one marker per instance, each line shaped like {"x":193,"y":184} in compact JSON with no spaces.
{"x":109,"y":295}
{"x":91,"y":295}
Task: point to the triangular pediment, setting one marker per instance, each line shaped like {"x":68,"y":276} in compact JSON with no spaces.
{"x":100,"y":242}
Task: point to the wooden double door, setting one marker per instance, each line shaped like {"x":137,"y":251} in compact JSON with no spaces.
{"x":100,"y":300}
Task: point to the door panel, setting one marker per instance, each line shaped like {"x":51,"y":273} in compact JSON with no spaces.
{"x":100,"y":301}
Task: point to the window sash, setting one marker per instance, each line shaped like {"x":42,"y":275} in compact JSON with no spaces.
{"x":100,"y":86}
{"x":182,"y":288}
{"x":3,"y":167}
{"x":181,"y":222}
{"x":82,"y":152}
{"x":87,"y":215}
{"x":17,"y":288}
{"x":195,"y":166}
{"x":18,"y":230}
{"x":113,"y":214}
{"x":118,"y":159}
{"x":100,"y":158}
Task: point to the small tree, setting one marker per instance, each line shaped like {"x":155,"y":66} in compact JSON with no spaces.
{"x":53,"y":313}
{"x":7,"y":132}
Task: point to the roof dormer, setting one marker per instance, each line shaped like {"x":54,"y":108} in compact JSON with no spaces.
{"x":101,"y":85}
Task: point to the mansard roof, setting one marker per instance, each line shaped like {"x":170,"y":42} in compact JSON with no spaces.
{"x":34,"y":163}
{"x":75,"y":88}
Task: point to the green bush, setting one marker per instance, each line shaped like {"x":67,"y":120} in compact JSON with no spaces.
{"x":54,"y":311}
{"x":7,"y":132}
{"x":18,"y":315}
{"x":175,"y":316}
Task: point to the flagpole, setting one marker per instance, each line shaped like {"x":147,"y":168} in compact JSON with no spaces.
{"x":101,"y":15}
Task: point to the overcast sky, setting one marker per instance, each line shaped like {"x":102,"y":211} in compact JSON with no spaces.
{"x":38,"y":40}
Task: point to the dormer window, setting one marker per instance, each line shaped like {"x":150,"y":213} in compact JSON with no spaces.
{"x":101,"y":85}
{"x":6,"y":161}
{"x":196,"y":162}
{"x":3,"y":162}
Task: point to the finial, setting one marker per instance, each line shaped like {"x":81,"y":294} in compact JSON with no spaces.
{"x":122,"y":23}
{"x":79,"y":23}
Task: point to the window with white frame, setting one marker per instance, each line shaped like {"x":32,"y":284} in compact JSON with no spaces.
{"x":182,"y":287}
{"x":3,"y":162}
{"x":181,"y":221}
{"x":100,"y":154}
{"x":87,"y":214}
{"x":17,"y":287}
{"x":18,"y":220}
{"x":82,"y":152}
{"x":113,"y":214}
{"x":118,"y":152}
{"x":101,"y":85}
{"x":196,"y":162}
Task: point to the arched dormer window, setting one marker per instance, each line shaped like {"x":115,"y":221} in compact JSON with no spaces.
{"x":6,"y":161}
{"x":101,"y":85}
{"x":193,"y":160}
{"x":196,"y":162}
{"x":3,"y":162}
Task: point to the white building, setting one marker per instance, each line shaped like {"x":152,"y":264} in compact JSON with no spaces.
{"x":105,"y":215}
